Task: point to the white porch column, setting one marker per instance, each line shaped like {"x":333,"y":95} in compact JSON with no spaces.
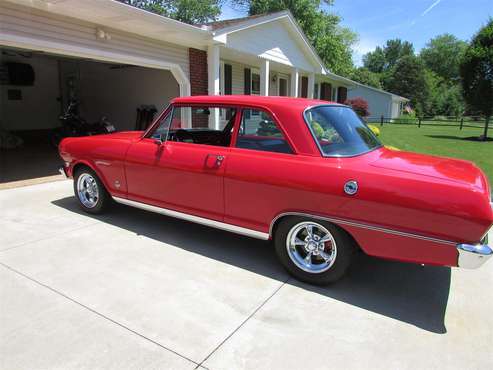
{"x":311,"y":85}
{"x":295,"y":76}
{"x":264,"y":78}
{"x":213,"y":64}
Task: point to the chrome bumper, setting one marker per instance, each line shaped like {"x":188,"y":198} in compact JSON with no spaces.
{"x":62,"y":171}
{"x":473,"y":256}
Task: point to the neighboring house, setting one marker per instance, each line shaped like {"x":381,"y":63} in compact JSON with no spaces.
{"x":381,"y":103}
{"x":113,"y":58}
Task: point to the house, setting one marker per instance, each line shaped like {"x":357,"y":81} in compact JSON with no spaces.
{"x":381,"y":103}
{"x":114,"y":59}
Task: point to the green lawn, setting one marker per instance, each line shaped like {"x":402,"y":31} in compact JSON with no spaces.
{"x":441,"y":140}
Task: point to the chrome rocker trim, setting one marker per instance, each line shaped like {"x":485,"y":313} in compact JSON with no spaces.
{"x":199,"y":220}
{"x":473,"y":256}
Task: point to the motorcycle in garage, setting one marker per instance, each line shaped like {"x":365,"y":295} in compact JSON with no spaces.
{"x":74,"y":125}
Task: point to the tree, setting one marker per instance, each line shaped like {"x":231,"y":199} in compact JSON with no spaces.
{"x":407,"y":78}
{"x":382,"y":59}
{"x":375,"y":61}
{"x":331,"y":41}
{"x":365,"y":76}
{"x":188,"y":11}
{"x":476,"y":71}
{"x":442,"y":55}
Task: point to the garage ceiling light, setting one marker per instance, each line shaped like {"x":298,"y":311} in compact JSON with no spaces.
{"x":102,"y":34}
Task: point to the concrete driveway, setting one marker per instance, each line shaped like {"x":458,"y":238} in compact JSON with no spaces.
{"x":132,"y":289}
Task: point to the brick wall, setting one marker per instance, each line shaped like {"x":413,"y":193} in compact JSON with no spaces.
{"x":198,"y":71}
{"x":198,"y":81}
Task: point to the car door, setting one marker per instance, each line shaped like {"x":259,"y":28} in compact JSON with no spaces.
{"x":180,"y":175}
{"x":259,"y":173}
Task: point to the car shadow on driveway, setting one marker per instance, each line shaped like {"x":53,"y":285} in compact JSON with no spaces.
{"x":401,"y":291}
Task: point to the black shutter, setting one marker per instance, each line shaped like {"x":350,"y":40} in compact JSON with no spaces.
{"x":228,"y":79}
{"x":341,"y":94}
{"x":304,"y":87}
{"x":248,"y":81}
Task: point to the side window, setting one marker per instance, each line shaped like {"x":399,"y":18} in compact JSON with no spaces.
{"x":197,"y":125}
{"x":258,"y":131}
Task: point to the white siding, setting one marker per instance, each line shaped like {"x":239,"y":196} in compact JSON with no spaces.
{"x":379,"y":103}
{"x":238,"y":78}
{"x":38,"y":27}
{"x":271,"y":41}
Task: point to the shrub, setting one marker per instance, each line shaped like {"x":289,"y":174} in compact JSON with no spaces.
{"x":359,"y":105}
{"x":317,"y":130}
{"x":375,"y":129}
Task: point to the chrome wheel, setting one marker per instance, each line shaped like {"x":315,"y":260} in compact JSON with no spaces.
{"x":87,"y":190}
{"x":311,"y":247}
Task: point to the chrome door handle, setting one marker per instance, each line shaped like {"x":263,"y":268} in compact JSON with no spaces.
{"x":219,"y":160}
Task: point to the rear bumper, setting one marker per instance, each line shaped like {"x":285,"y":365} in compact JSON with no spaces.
{"x":473,"y":256}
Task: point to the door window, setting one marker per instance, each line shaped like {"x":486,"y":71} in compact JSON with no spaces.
{"x":258,"y":131}
{"x":191,"y":125}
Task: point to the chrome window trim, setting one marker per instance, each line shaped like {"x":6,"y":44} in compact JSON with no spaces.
{"x":199,"y":220}
{"x":361,"y":225}
{"x":318,"y":144}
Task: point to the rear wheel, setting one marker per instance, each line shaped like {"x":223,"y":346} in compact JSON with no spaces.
{"x":90,"y":191}
{"x":313,"y":251}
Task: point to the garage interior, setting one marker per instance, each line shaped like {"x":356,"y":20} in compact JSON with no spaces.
{"x":35,"y":90}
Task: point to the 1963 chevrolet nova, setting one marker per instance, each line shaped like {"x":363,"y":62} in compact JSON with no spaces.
{"x":310,"y":175}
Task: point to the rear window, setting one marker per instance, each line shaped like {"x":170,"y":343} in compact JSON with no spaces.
{"x":339,"y":132}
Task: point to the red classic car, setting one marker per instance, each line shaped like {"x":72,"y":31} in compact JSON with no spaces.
{"x":308,"y":174}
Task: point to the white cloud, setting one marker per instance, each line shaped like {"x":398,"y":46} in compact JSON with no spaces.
{"x":431,"y":7}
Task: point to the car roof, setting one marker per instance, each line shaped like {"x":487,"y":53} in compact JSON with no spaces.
{"x":273,"y":102}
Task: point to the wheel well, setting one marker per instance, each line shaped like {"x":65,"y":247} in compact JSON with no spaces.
{"x":278,"y":220}
{"x":78,"y":166}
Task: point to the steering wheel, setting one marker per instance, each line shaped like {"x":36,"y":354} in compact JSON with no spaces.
{"x":184,"y":136}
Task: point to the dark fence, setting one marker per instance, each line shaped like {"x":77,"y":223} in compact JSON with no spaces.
{"x":459,"y":122}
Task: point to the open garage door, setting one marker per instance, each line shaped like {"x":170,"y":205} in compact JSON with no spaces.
{"x":37,"y":87}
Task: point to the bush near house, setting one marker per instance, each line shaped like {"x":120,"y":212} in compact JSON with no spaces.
{"x":359,"y":105}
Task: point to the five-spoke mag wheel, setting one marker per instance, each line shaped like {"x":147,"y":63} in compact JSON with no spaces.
{"x":90,"y":191}
{"x":313,"y":250}
{"x":87,"y":190}
{"x":311,"y":247}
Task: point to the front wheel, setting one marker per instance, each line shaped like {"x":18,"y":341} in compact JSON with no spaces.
{"x":90,"y":191}
{"x":313,"y":251}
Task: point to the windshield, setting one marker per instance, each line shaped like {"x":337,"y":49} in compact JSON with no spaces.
{"x":339,"y":132}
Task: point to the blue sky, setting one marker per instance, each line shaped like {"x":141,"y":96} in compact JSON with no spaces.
{"x":413,"y":20}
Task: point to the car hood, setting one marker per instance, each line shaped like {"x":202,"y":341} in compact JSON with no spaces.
{"x":441,"y":168}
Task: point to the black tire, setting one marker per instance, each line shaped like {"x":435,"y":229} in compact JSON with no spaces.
{"x":344,"y":251}
{"x":103,"y":197}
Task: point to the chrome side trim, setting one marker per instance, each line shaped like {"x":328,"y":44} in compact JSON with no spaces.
{"x":199,"y":220}
{"x":473,"y":256}
{"x":363,"y":226}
